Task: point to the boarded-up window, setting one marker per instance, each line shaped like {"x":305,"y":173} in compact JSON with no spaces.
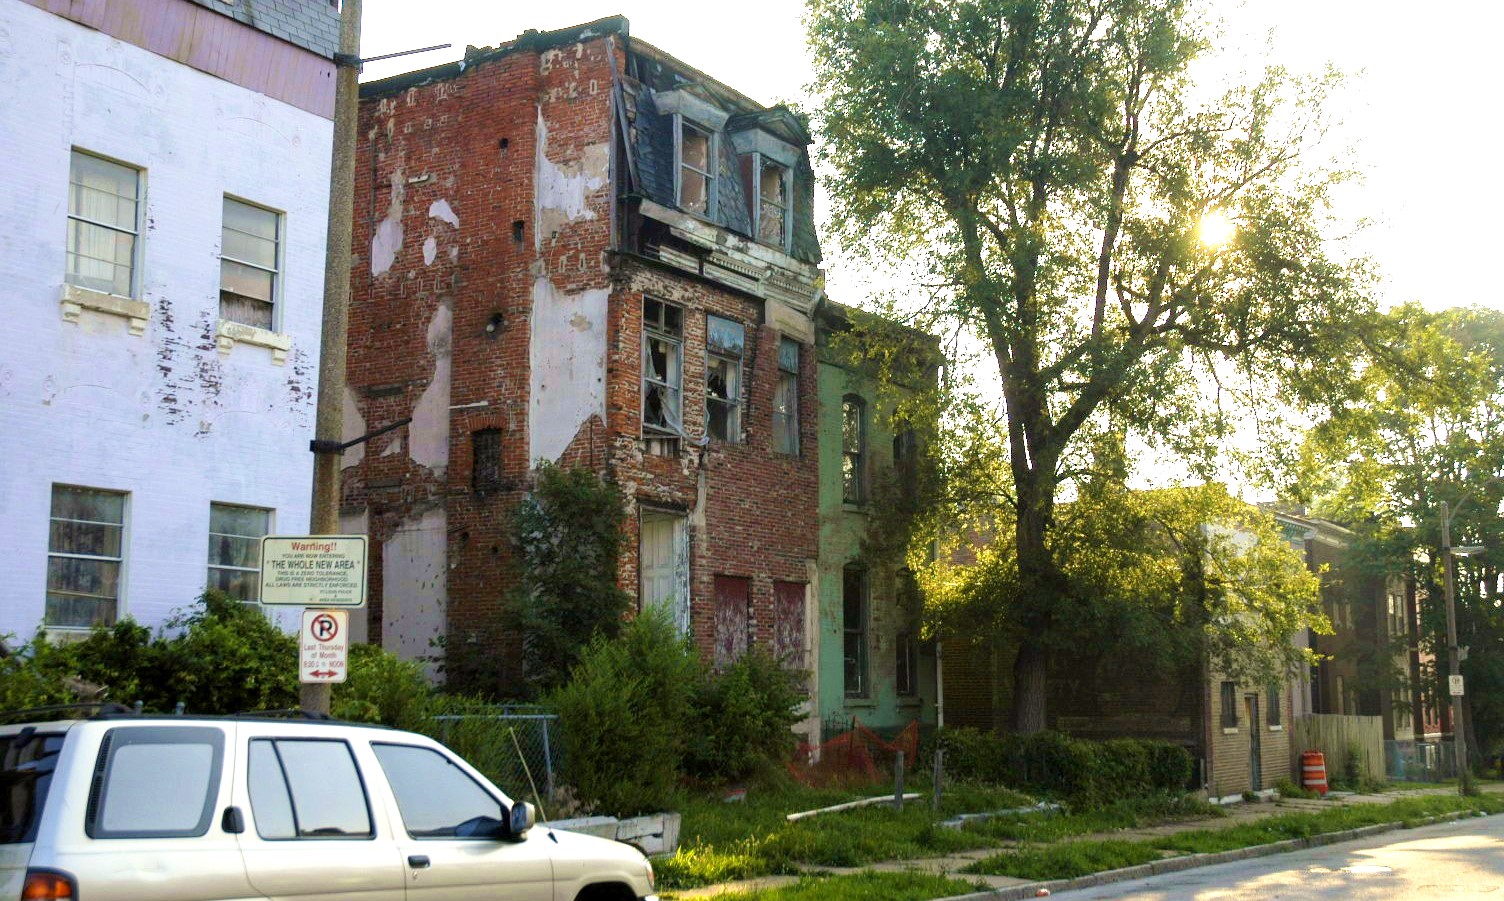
{"x":664,"y":566}
{"x":1273,"y":712}
{"x":788,"y":623}
{"x":854,"y":627}
{"x":485,"y":449}
{"x":906,"y":644}
{"x":733,"y":595}
{"x":1229,"y":705}
{"x":786,"y":399}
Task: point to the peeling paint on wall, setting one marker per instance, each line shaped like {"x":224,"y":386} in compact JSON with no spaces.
{"x":428,"y":434}
{"x":352,"y":427}
{"x":441,"y":210}
{"x":561,"y":190}
{"x":388,"y":238}
{"x":415,"y":596}
{"x":568,"y":352}
{"x":430,"y":250}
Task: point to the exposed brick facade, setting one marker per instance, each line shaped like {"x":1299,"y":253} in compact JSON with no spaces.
{"x":526,"y":317}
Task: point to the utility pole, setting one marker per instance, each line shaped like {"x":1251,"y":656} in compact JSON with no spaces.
{"x":1454,"y":661}
{"x":329,"y":425}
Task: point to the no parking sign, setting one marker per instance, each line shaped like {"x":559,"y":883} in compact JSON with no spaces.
{"x":323,"y":646}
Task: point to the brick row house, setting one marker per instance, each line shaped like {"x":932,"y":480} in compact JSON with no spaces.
{"x":166,"y":201}
{"x":574,"y":248}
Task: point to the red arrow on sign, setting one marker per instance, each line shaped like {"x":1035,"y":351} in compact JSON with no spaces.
{"x":317,"y":673}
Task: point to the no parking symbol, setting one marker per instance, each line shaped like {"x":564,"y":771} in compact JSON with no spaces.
{"x":323,"y":646}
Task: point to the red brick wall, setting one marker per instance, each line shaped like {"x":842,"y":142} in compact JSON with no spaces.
{"x":752,"y":512}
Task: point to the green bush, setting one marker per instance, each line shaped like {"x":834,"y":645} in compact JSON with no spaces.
{"x":624,"y":716}
{"x":381,"y":687}
{"x":744,"y":717}
{"x":1083,"y":772}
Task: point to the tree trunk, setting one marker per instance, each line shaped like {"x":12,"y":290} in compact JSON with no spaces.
{"x":1029,"y":688}
{"x":1041,"y":590}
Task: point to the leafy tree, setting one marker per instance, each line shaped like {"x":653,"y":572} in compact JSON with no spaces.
{"x":1427,"y":427}
{"x":1046,"y":164}
{"x":1180,"y":577}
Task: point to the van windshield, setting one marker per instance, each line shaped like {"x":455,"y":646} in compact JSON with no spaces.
{"x":27,"y":759}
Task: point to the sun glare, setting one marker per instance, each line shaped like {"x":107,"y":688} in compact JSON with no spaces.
{"x":1216,"y":229}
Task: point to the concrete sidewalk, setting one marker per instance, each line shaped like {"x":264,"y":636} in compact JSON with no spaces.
{"x":1237,"y":815}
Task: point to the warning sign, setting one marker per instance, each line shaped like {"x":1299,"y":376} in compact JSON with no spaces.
{"x":323,"y":646}
{"x":313,"y":570}
{"x":1454,"y":685}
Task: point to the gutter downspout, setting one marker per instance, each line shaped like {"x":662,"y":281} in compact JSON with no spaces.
{"x":939,"y":685}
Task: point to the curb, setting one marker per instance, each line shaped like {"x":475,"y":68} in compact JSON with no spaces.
{"x":1192,"y":861}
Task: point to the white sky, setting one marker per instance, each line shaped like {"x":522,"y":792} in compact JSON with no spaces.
{"x":1416,"y":110}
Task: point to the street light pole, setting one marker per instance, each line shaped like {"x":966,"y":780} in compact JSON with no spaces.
{"x":1454,"y":662}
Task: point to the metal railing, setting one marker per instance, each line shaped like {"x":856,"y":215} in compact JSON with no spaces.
{"x":514,"y":746}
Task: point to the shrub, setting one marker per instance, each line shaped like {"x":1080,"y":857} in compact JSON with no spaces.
{"x":1082,"y":772}
{"x":624,"y":716}
{"x":381,"y":687}
{"x":744,"y":718}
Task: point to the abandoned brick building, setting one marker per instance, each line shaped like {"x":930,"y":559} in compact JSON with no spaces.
{"x":574,"y":248}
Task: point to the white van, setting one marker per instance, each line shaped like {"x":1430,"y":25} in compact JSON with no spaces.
{"x":124,"y":807}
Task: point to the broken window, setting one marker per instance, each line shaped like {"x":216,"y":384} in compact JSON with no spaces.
{"x":906,"y":674}
{"x":662,"y":367}
{"x":786,"y":399}
{"x":772,"y":203}
{"x":663,"y":566}
{"x":733,"y":597}
{"x":235,"y":535}
{"x":248,"y":264}
{"x":725,"y":342}
{"x":85,"y":553}
{"x":853,"y":449}
{"x":905,"y":455}
{"x":854,"y":627}
{"x":103,"y":224}
{"x":485,"y":460}
{"x":696,"y":175}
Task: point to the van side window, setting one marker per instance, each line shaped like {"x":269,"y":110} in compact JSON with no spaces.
{"x":306,"y":788}
{"x":437,"y":798}
{"x":155,"y":782}
{"x":27,"y":760}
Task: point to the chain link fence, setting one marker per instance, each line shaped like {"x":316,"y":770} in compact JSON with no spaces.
{"x":1419,"y":761}
{"x":514,"y":745}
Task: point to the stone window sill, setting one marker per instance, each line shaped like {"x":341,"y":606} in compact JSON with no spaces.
{"x":227,"y":334}
{"x":861,"y":702}
{"x":1229,"y":730}
{"x":74,"y":300}
{"x":1276,"y":728}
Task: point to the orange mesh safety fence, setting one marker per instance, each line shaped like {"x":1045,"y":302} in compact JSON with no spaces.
{"x":856,"y":756}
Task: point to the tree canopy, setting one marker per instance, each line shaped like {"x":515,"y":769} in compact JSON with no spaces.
{"x":1135,"y":259}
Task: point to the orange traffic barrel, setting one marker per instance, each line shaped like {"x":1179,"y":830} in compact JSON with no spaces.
{"x":1313,"y":771}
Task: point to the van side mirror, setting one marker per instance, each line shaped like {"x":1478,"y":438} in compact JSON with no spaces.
{"x":520,"y":820}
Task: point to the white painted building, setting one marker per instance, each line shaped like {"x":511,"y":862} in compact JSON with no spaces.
{"x":164,"y":199}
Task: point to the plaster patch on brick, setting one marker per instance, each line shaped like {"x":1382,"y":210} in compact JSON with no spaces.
{"x":430,"y":250}
{"x":562,"y":189}
{"x":352,"y":426}
{"x":388,"y":238}
{"x":428,"y":434}
{"x":415,"y":586}
{"x":441,"y":210}
{"x":568,"y":353}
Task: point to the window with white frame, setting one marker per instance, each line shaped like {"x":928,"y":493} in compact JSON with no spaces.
{"x":772,"y":203}
{"x":248,"y":256}
{"x":104,"y":216}
{"x":85,"y":555}
{"x":662,"y":367}
{"x":235,"y":535}
{"x":696,"y":168}
{"x":786,"y":399}
{"x":725,"y":342}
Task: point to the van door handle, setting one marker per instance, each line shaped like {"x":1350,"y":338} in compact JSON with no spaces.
{"x":418,"y":861}
{"x":232,"y":821}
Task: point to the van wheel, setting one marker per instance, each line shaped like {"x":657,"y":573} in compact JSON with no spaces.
{"x":606,"y":891}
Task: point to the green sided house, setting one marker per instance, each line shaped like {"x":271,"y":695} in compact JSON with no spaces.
{"x":872,"y":667}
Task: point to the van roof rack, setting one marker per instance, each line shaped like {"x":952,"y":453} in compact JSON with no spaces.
{"x":97,"y":709}
{"x":288,"y":712}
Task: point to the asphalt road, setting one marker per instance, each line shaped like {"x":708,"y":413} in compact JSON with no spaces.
{"x":1462,"y":859}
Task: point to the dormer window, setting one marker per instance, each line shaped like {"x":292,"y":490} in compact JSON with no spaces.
{"x":696,"y":168}
{"x":772,"y":203}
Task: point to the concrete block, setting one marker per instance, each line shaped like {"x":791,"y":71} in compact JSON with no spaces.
{"x":600,"y":827}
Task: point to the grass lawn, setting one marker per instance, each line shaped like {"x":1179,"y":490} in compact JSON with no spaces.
{"x":1049,"y":827}
{"x":862,"y":887}
{"x":720,"y":841}
{"x":1066,"y":859}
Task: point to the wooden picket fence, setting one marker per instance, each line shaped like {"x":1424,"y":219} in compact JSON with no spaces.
{"x":1337,"y":736}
